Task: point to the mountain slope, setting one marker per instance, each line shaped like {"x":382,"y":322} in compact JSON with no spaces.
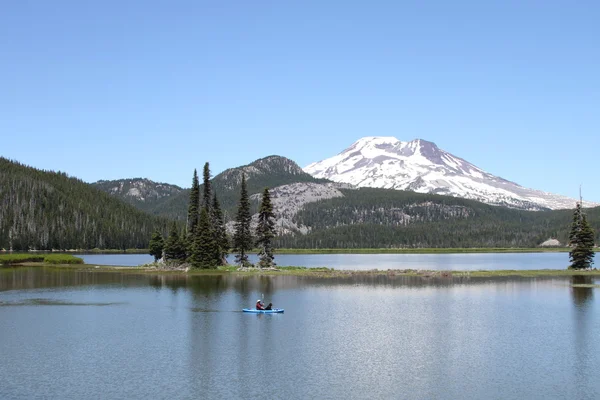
{"x":383,"y":218}
{"x":48,"y":210}
{"x":420,"y":166}
{"x":144,"y":194}
{"x":271,"y":171}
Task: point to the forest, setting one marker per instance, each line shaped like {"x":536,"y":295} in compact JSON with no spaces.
{"x":43,"y":210}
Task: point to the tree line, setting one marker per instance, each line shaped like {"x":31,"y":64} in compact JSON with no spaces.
{"x":204,"y":242}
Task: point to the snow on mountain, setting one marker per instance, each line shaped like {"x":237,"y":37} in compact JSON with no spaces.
{"x":421,"y":166}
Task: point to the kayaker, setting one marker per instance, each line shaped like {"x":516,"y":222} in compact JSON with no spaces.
{"x":259,"y":305}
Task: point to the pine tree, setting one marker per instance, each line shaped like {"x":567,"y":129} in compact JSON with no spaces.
{"x":206,"y":197}
{"x":575,"y":225}
{"x":174,"y":248}
{"x":157,"y":243}
{"x":242,"y":237}
{"x":581,"y":238}
{"x":265,"y":231}
{"x":220,"y":231}
{"x":192,"y":218}
{"x":205,"y":251}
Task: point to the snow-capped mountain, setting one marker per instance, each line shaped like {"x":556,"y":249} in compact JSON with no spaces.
{"x":421,"y":166}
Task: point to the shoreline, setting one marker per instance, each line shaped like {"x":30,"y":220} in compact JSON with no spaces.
{"x":456,"y":250}
{"x":319,"y":272}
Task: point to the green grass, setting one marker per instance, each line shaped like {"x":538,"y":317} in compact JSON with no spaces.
{"x":7,"y":259}
{"x":62,"y":259}
{"x":20,"y":258}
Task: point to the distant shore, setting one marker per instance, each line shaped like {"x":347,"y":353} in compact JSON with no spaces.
{"x":458,"y":250}
{"x":431,"y":250}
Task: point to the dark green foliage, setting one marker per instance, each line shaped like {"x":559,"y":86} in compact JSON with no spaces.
{"x":575,"y":225}
{"x":194,"y":203}
{"x":219,"y":230}
{"x":205,"y":250}
{"x":581,"y":237}
{"x":242,"y":238}
{"x":175,"y":249}
{"x":265,"y":231}
{"x":48,"y":210}
{"x":157,"y":244}
{"x":206,"y":189}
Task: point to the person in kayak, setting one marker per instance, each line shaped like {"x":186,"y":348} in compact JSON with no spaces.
{"x":261,"y":306}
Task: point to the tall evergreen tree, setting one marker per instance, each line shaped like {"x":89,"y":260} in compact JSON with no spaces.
{"x":581,"y":238}
{"x":220,"y":231}
{"x":192,"y":218}
{"x":205,"y":251}
{"x":207,"y":190}
{"x":157,"y":243}
{"x":174,"y":247}
{"x":265,"y":231}
{"x":242,"y":237}
{"x":575,"y":225}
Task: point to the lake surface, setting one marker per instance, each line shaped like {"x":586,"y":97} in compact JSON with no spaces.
{"x":67,"y":334}
{"x":465,"y":262}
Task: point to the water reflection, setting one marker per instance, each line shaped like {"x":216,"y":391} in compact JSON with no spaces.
{"x":48,"y":277}
{"x":250,"y":287}
{"x":583,"y":300}
{"x":582,"y":289}
{"x":357,"y":336}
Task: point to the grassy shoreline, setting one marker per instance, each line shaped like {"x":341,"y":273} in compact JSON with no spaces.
{"x":321,"y":272}
{"x":20,"y":258}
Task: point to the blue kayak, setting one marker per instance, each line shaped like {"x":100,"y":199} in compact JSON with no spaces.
{"x":273,"y":311}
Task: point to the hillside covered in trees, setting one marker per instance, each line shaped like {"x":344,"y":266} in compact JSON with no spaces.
{"x":49,"y":210}
{"x":380,"y":218}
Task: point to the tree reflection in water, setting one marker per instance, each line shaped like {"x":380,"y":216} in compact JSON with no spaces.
{"x":582,"y":295}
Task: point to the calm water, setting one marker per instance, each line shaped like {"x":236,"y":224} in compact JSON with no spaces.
{"x":68,"y":334}
{"x":489,"y":261}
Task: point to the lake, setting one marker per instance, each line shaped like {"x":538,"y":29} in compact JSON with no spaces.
{"x":466,"y":262}
{"x":80,"y":334}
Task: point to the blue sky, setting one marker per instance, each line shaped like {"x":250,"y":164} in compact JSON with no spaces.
{"x":112,"y":89}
